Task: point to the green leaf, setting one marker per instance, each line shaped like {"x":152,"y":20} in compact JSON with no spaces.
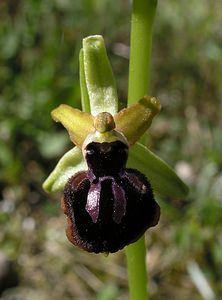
{"x":163,"y":179}
{"x":98,"y":77}
{"x":136,"y":119}
{"x":79,"y":124}
{"x":71,"y":163}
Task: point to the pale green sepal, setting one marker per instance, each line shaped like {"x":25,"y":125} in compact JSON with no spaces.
{"x":99,"y":79}
{"x":71,"y":163}
{"x":134,"y":120}
{"x":78,"y":123}
{"x":84,"y":93}
{"x":162,"y":178}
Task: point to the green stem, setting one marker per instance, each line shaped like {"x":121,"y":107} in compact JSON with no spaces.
{"x":136,"y":267}
{"x":143,"y":12}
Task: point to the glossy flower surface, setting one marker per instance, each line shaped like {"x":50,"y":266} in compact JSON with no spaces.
{"x":108,"y":206}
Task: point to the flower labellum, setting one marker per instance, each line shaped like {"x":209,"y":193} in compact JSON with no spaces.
{"x":108,"y":206}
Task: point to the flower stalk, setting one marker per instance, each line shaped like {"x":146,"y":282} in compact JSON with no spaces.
{"x":143,"y":13}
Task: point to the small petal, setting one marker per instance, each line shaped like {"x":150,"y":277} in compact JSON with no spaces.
{"x":136,"y":119}
{"x":79,"y":124}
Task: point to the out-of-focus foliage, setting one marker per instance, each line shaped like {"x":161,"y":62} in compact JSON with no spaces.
{"x":39,"y":46}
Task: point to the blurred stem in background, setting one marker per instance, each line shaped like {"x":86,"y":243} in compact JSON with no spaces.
{"x":143,"y":13}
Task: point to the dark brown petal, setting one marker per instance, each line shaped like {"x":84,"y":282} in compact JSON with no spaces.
{"x":106,"y":235}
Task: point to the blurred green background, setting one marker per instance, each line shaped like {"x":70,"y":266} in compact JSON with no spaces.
{"x":39,"y":46}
